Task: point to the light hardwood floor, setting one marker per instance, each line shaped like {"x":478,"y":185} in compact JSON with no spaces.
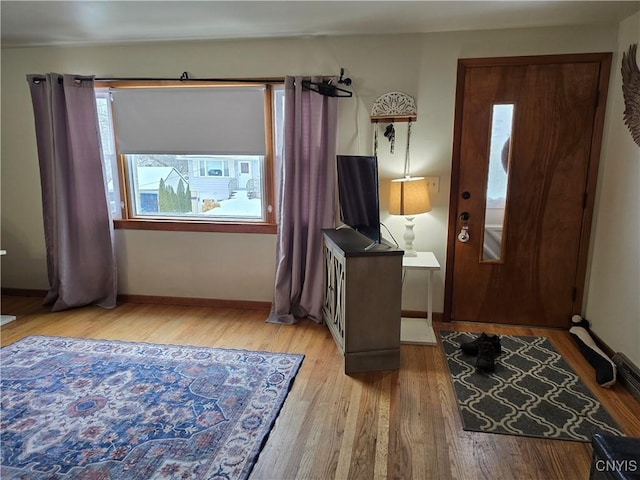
{"x":400,"y":424}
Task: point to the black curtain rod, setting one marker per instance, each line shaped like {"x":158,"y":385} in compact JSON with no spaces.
{"x":183,"y":78}
{"x":325,"y":87}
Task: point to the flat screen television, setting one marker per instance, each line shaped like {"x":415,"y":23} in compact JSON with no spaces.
{"x":358,"y":194}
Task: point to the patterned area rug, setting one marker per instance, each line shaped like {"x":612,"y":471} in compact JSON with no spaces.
{"x":93,"y":409}
{"x":533,"y":392}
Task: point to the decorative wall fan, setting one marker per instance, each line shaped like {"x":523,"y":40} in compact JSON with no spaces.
{"x":631,"y":92}
{"x":394,"y":105}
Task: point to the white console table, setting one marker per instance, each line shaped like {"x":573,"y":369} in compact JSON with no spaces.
{"x":6,"y":318}
{"x":419,"y":331}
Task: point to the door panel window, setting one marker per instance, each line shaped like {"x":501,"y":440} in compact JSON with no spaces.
{"x":497,"y":181}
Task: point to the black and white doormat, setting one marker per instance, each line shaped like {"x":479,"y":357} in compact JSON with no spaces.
{"x":533,"y":392}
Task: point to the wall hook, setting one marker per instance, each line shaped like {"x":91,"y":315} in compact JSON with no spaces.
{"x":346,"y":81}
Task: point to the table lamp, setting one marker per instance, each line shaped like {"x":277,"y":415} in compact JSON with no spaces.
{"x":409,"y":196}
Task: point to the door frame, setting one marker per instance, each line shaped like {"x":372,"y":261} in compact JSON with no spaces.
{"x":604,"y":59}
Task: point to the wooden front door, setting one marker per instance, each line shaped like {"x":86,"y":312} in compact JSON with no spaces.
{"x":525,"y":160}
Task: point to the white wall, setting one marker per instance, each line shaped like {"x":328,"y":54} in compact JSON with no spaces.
{"x":207,"y":264}
{"x":613,"y":296}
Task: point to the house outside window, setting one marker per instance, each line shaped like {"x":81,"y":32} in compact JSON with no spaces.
{"x":199,"y":158}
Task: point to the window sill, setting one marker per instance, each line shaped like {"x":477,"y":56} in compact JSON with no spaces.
{"x":195,"y":226}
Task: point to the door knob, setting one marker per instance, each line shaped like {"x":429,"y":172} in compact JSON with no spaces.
{"x":463,"y":236}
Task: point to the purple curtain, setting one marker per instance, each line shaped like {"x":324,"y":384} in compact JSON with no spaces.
{"x":77,"y":225}
{"x":307,"y":202}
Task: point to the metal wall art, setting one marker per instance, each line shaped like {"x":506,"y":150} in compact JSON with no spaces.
{"x":392,"y":107}
{"x":631,"y":92}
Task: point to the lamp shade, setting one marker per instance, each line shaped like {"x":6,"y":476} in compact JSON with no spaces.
{"x":409,"y":196}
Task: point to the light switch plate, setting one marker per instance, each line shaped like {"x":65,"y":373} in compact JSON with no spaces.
{"x":433,"y":183}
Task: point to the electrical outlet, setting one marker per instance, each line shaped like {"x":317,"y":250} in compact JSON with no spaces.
{"x":433,"y":183}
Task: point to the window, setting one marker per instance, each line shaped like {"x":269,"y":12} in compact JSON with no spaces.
{"x":108,"y":151}
{"x":497,"y":181}
{"x":191,"y":156}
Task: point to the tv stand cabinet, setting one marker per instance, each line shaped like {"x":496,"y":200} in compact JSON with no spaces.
{"x":362,"y":300}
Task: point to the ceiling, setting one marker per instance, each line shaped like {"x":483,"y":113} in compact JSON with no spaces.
{"x":37,"y":23}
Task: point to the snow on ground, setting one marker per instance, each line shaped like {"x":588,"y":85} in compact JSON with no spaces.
{"x":240,"y":206}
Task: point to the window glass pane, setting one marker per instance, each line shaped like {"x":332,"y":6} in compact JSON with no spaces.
{"x":108,"y":151}
{"x":174,"y":186}
{"x":278,"y":122}
{"x":497,"y":181}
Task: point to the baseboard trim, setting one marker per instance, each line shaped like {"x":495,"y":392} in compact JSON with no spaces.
{"x":153,"y":299}
{"x":603,"y":346}
{"x":437,"y":316}
{"x":23,"y":292}
{"x":195,"y":302}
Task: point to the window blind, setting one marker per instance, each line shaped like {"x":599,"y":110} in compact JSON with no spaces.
{"x":190,"y":120}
